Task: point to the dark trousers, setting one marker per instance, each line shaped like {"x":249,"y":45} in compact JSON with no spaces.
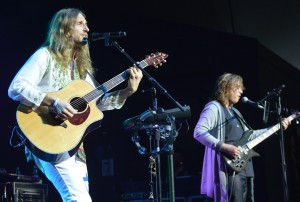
{"x":242,"y":188}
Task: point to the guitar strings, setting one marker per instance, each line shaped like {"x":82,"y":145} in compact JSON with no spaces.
{"x":98,"y":92}
{"x":108,"y":85}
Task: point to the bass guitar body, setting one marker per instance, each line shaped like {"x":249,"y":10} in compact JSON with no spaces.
{"x":239,"y":163}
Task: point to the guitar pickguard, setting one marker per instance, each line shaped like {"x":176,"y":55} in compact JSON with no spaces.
{"x":78,"y":119}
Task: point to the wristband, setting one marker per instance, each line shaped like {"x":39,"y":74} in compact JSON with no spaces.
{"x":55,"y":102}
{"x":55,"y":106}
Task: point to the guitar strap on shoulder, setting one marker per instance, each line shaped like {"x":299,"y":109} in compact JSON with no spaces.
{"x":93,"y":79}
{"x":241,"y":119}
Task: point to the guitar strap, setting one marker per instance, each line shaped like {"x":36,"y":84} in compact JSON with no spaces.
{"x":19,"y":133}
{"x":241,"y":119}
{"x":93,"y":78}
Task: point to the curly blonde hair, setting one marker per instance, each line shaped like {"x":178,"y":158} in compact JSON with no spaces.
{"x":61,"y":45}
{"x":224,"y":84}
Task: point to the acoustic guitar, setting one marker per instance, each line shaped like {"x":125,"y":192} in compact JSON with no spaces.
{"x":47,"y":136}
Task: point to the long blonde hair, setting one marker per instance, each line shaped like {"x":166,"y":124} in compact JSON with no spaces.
{"x":224,"y":84}
{"x":61,"y":45}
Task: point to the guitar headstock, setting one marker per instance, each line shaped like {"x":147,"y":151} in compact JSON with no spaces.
{"x":156,"y":59}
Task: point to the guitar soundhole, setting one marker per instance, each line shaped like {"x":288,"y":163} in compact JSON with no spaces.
{"x":78,"y":103}
{"x":83,"y":108}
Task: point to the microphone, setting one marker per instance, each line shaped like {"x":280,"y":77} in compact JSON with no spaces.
{"x":97,"y":36}
{"x":254,"y":104}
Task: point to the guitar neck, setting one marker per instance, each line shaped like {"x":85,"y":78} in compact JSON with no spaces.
{"x":110,"y":84}
{"x":269,"y":132}
{"x":263,"y":136}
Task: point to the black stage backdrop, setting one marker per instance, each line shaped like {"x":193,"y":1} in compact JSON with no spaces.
{"x":197,"y":57}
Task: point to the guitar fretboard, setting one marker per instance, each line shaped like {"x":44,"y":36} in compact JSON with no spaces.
{"x":269,"y":132}
{"x":110,"y":84}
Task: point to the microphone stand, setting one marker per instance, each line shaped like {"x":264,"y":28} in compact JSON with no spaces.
{"x":157,"y":146}
{"x":276,"y":92}
{"x":157,"y":133}
{"x":282,"y":150}
{"x":150,"y":78}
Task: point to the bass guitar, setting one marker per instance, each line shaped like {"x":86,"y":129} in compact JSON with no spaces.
{"x":47,"y":136}
{"x":239,"y":163}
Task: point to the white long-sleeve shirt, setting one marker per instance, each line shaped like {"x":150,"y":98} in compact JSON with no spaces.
{"x":41,"y":74}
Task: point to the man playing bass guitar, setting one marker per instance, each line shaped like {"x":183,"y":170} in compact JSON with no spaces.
{"x":219,"y":126}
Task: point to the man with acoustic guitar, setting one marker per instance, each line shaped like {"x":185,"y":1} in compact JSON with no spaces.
{"x":63,"y":62}
{"x":219,"y":128}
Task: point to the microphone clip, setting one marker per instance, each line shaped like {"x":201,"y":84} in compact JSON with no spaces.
{"x":106,"y":36}
{"x":275,"y":91}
